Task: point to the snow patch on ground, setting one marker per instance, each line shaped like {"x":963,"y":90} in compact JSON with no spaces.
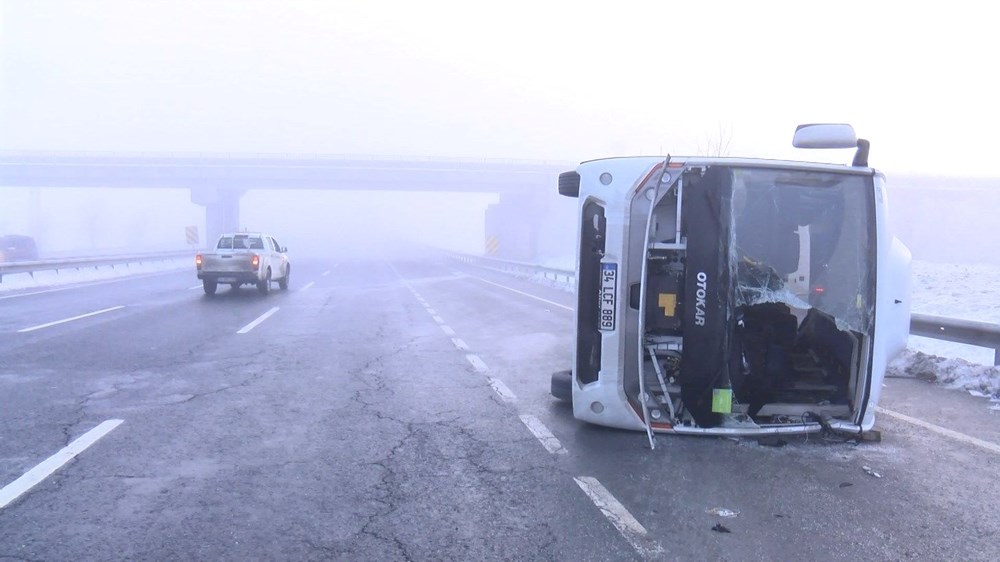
{"x":966,"y":291}
{"x":979,"y":380}
{"x":49,"y":279}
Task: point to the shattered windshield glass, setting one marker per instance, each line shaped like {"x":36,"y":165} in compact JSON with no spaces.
{"x":803,"y":238}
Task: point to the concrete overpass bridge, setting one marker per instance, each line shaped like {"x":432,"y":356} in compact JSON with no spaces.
{"x":217,"y":181}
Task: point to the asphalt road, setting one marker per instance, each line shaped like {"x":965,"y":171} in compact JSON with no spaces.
{"x":400,"y":411}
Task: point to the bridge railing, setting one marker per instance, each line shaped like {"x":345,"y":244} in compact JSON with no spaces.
{"x":969,"y":332}
{"x":90,"y":262}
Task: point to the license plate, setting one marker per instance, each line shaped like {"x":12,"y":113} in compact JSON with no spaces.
{"x":609,"y":291}
{"x":226,"y":280}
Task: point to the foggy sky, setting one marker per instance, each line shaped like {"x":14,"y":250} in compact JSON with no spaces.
{"x":512,"y":79}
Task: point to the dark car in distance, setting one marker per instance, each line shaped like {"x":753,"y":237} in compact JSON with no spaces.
{"x":15,"y":247}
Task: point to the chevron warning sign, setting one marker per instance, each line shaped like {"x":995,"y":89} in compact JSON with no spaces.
{"x":191,"y":233}
{"x":492,"y":245}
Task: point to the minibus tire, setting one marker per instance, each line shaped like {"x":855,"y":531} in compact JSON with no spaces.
{"x":562,"y":385}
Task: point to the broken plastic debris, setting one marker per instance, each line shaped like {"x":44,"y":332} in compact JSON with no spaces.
{"x":723,"y":512}
{"x":720,"y":528}
{"x":868,"y":470}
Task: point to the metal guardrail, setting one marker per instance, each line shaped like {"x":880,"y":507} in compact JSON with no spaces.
{"x":969,"y":332}
{"x":508,"y":266}
{"x":31,"y":267}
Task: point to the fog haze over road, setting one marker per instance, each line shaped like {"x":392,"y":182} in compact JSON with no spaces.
{"x":446,"y":79}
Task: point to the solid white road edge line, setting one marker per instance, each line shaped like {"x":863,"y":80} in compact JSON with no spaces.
{"x":542,"y":433}
{"x":992,"y":447}
{"x":257,"y":322}
{"x":500,"y":388}
{"x":523,"y":293}
{"x":477,"y":363}
{"x":57,"y":322}
{"x":627,"y":525}
{"x":15,"y":489}
{"x":307,"y":286}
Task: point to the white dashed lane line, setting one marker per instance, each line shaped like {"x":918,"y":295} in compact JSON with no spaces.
{"x":195,"y":287}
{"x":65,"y":320}
{"x":477,"y":363}
{"x":15,"y":489}
{"x":257,"y":322}
{"x":447,"y":330}
{"x":542,"y":433}
{"x":501,"y":389}
{"x":307,"y":286}
{"x":460,"y":344}
{"x":628,"y":526}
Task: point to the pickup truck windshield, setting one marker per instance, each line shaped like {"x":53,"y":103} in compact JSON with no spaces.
{"x":240,"y":242}
{"x":805,"y":239}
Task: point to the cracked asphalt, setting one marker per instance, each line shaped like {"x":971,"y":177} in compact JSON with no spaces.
{"x":349,"y":426}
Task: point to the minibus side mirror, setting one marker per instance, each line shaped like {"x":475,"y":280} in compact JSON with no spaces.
{"x":825,"y":135}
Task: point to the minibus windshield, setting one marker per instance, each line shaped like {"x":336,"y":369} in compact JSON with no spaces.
{"x":804,"y":238}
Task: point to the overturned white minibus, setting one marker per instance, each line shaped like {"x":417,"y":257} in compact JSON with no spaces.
{"x":734,"y":296}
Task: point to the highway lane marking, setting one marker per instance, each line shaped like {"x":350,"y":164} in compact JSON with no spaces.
{"x":65,"y":320}
{"x":325,"y":273}
{"x":94,"y":284}
{"x":570,"y":308}
{"x":257,"y":322}
{"x":307,"y":286}
{"x":195,"y":287}
{"x":500,"y":388}
{"x":29,"y":479}
{"x":628,"y":526}
{"x":992,"y":447}
{"x":542,"y":433}
{"x":477,"y":363}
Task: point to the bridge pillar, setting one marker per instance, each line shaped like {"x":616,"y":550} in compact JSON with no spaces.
{"x":222,"y":210}
{"x":532,"y":227}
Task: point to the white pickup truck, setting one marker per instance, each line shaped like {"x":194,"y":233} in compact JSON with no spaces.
{"x":244,"y":258}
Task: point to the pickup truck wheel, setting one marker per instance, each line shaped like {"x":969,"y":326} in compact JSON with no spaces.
{"x":265,"y":286}
{"x":210,"y":286}
{"x":283,"y":282}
